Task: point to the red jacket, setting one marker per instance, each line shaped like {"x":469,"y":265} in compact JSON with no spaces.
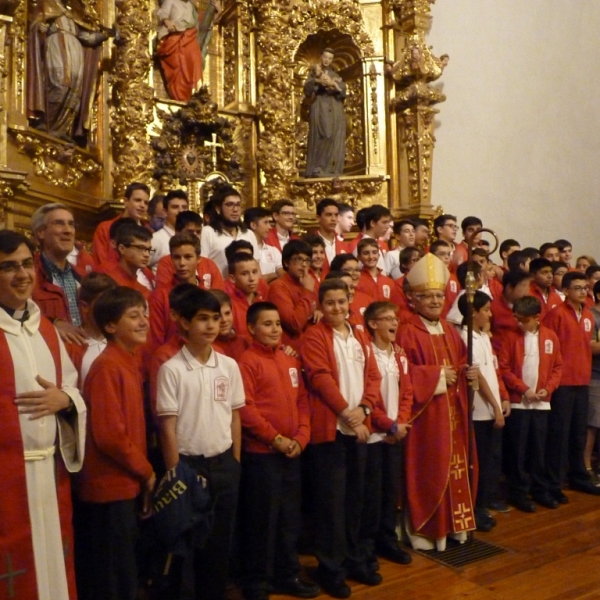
{"x":459,"y":256}
{"x":239,"y":307}
{"x":353,"y":244}
{"x":276,"y":401}
{"x":271,"y":239}
{"x":405,"y":312}
{"x":162,"y":327}
{"x":234,"y":346}
{"x":115,"y":450}
{"x":503,"y":321}
{"x":512,"y":357}
{"x":547,"y":303}
{"x":575,"y":342}
{"x":209,"y":276}
{"x":295,"y":305}
{"x":50,"y":297}
{"x":85,"y":263}
{"x":325,"y":398}
{"x":159,"y":358}
{"x":405,"y":401}
{"x":380,"y":290}
{"x":102,"y":251}
{"x":122,"y":277}
{"x":357,"y":309}
{"x":452,"y":290}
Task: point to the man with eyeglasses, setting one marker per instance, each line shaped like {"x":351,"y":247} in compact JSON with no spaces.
{"x":284,"y":218}
{"x":439,"y":495}
{"x":226,"y":225}
{"x":57,"y":280}
{"x":134,"y":246}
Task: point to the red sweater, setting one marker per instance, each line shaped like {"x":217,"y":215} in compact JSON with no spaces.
{"x":295,"y":305}
{"x":240,"y":306}
{"x":85,"y":262}
{"x":378,"y":290}
{"x":122,"y":277}
{"x":162,"y":327}
{"x":234,"y":346}
{"x":209,"y":276}
{"x":548,"y":303}
{"x":115,"y":450}
{"x":575,"y":342}
{"x":102,"y":251}
{"x":51,"y":298}
{"x":325,"y":398}
{"x":503,"y":321}
{"x":271,"y":239}
{"x":512,"y":357}
{"x":276,"y":399}
{"x":405,"y":312}
{"x":357,"y":309}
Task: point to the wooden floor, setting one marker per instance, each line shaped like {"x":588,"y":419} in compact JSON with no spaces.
{"x":552,"y":555}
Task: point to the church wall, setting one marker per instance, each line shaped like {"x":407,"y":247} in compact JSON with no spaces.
{"x":518,"y":139}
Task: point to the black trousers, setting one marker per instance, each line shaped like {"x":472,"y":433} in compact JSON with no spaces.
{"x":338,"y":476}
{"x":105,"y":560}
{"x":270,"y":500}
{"x":567,"y":430}
{"x":525,"y":436}
{"x":489,"y":456}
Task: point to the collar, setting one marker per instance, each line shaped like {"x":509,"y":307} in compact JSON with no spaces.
{"x":11,"y":325}
{"x":384,"y":353}
{"x":336,"y":333}
{"x":283,"y":238}
{"x":332,"y":243}
{"x":192,"y":364}
{"x":52,"y":267}
{"x":266,"y":351}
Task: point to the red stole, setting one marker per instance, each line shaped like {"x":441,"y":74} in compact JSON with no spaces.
{"x":16,"y":546}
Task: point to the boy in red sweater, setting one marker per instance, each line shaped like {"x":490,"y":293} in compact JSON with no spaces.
{"x":372,"y":280}
{"x":531,"y":367}
{"x":275,"y":431}
{"x":541,"y":287}
{"x":573,"y":323}
{"x":244,"y":274}
{"x":115,"y":469}
{"x":343,"y":382}
{"x":228,"y":342}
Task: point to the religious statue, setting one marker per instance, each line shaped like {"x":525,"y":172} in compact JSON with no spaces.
{"x":62,"y":71}
{"x":181,"y":38}
{"x":327,"y":121}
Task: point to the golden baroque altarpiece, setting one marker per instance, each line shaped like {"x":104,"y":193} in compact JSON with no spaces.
{"x":248,"y":125}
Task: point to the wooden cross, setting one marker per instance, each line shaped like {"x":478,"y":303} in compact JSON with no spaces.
{"x":10,"y":576}
{"x":214,"y":145}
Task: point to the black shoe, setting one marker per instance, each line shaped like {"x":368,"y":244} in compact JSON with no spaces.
{"x":545,"y":500}
{"x":395,"y":554}
{"x":483,"y":524}
{"x":587,"y":488}
{"x":295,"y":587}
{"x":523,"y":504}
{"x":499,"y":506}
{"x":336,"y":588}
{"x":559,"y":497}
{"x":364,"y":576}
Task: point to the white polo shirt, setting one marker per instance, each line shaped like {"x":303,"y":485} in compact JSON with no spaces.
{"x":392,"y":263}
{"x":350,"y":361}
{"x":268,"y":257}
{"x":213,"y":244}
{"x":330,"y":247}
{"x":531,"y":370}
{"x":203,"y":398}
{"x":160,"y":245}
{"x":93,"y":351}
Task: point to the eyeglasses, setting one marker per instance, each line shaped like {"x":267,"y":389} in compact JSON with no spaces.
{"x":141,"y":248}
{"x":301,"y":261}
{"x":440,"y":297}
{"x":235,"y":205}
{"x":452,"y":226}
{"x":286,"y":213}
{"x":580,"y":288}
{"x":12,"y":266}
{"x":352,"y":272}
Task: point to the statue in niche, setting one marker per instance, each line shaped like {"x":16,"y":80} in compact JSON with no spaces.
{"x":181,"y":38}
{"x":327,"y":121}
{"x":62,"y":71}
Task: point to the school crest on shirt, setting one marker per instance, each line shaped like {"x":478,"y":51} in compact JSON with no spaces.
{"x":221,"y":389}
{"x":549,"y":347}
{"x":453,"y":287}
{"x":294,"y":376}
{"x":362,"y":311}
{"x":360,"y":355}
{"x":386,"y":291}
{"x":587,"y":325}
{"x":206,"y":281}
{"x":404,"y":363}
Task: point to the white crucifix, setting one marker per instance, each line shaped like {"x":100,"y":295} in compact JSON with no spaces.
{"x":214,"y":145}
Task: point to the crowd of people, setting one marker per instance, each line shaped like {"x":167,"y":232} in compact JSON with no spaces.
{"x":317,"y":383}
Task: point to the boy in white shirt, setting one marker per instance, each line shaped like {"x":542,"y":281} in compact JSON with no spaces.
{"x":258,"y":220}
{"x":199,"y":395}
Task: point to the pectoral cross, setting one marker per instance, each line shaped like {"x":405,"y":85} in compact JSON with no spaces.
{"x":10,"y":576}
{"x":214,"y":145}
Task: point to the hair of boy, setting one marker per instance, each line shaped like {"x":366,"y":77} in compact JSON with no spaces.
{"x":93,"y":285}
{"x":294,"y":248}
{"x":562,"y":244}
{"x":406,"y":255}
{"x":11,"y":240}
{"x":596,"y":291}
{"x":479,"y":251}
{"x":545,"y":247}
{"x":470,"y":222}
{"x":366,"y":243}
{"x":172,"y":195}
{"x":514,"y":278}
{"x":437,"y":245}
{"x":418,"y":222}
{"x":187,"y":217}
{"x":323,"y":204}
{"x":480,"y":299}
{"x":587,"y":257}
{"x":332,"y":285}
{"x":515,"y":260}
{"x":528,"y":306}
{"x":255,"y":214}
{"x":530,"y":252}
{"x":344,"y":208}
{"x":361,"y":218}
{"x":184,"y":238}
{"x":222,"y":297}
{"x":483,"y":244}
{"x":591,"y":270}
{"x":208,"y":210}
{"x":255,"y":309}
{"x":196,"y":300}
{"x":38,"y":219}
{"x":506,"y":245}
{"x":278,"y":205}
{"x":177,"y":293}
{"x":336,"y":275}
{"x":312,"y":239}
{"x":112,"y":304}
{"x":136,"y":185}
{"x":154,"y":202}
{"x":462,"y":270}
{"x":373,"y":311}
{"x":238,"y":246}
{"x":237,"y":259}
{"x":537,"y":264}
{"x":113,"y":230}
{"x":572,"y":276}
{"x":558,"y":264}
{"x":337,"y":264}
{"x":376,"y":213}
{"x":127,"y":234}
{"x":398,"y":225}
{"x":217,"y":200}
{"x":441,"y":221}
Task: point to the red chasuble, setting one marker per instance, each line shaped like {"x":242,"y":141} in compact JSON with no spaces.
{"x":17,"y":567}
{"x":439,"y":495}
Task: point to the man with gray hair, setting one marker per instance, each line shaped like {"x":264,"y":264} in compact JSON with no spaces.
{"x":57,"y":282}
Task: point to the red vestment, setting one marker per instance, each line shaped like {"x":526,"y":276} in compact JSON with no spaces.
{"x":439,"y":494}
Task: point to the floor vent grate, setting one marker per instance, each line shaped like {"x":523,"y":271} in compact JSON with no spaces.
{"x":460,"y":555}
